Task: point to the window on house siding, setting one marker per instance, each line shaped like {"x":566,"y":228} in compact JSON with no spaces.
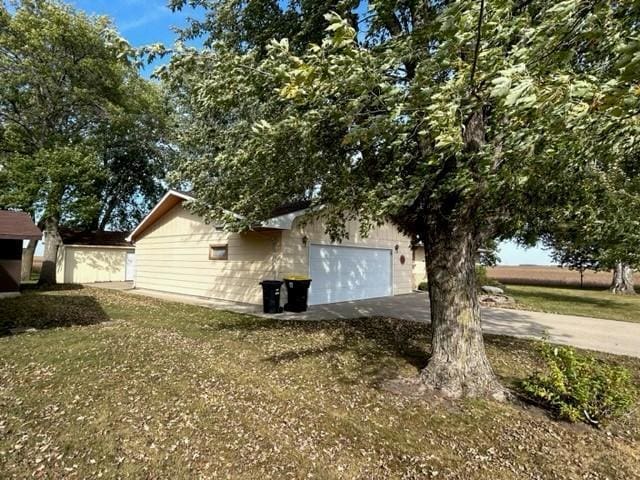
{"x":218,"y":252}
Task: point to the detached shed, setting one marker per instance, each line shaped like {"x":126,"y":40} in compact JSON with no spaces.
{"x":15,"y":227}
{"x":90,"y":257}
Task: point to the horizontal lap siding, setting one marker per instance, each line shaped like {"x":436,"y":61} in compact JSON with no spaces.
{"x":173,"y":256}
{"x":419,"y":267}
{"x":295,"y":254}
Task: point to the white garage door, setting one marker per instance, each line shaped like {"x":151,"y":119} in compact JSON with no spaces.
{"x":340,"y":274}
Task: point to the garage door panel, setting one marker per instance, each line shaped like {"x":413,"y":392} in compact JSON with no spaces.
{"x":342,"y":273}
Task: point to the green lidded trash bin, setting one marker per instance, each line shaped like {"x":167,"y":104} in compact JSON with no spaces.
{"x":297,"y":293}
{"x":271,"y":296}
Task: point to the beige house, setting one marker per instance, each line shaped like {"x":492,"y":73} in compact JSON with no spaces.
{"x":419,"y":266}
{"x":90,"y":257}
{"x":178,"y":252}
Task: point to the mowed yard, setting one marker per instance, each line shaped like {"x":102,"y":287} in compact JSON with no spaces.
{"x":139,"y":388}
{"x":574,"y":301}
{"x":556,"y":290}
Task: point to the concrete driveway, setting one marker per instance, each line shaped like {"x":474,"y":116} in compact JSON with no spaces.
{"x":621,"y":338}
{"x":111,"y":285}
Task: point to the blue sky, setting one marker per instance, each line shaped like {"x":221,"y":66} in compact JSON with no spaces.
{"x":512,"y":254}
{"x":143,"y":22}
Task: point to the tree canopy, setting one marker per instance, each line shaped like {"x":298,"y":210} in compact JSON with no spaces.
{"x":395,"y":97}
{"x":600,"y":229}
{"x":462,"y":121}
{"x":80,"y":131}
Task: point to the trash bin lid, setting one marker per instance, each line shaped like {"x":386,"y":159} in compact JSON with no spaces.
{"x":297,"y":278}
{"x":271,"y":283}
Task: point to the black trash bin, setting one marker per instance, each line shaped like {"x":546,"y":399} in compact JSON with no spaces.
{"x":271,"y":296}
{"x":297,"y":294}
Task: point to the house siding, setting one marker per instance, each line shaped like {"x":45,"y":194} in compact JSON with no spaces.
{"x":419,"y":266}
{"x":172,"y":255}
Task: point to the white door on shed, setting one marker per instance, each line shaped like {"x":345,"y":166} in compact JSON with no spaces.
{"x":340,"y":274}
{"x":130,"y":267}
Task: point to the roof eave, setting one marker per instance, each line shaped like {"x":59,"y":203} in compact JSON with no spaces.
{"x":280,"y":222}
{"x":98,"y":246}
{"x":20,"y":237}
{"x":146,"y":221}
{"x":283,"y":222}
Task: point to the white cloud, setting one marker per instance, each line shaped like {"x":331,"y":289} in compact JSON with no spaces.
{"x":150,"y":16}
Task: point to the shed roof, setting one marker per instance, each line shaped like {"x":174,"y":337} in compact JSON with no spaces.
{"x":98,"y":238}
{"x":18,"y":226}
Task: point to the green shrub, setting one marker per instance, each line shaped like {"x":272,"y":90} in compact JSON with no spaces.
{"x":496,"y":283}
{"x":481,"y":276}
{"x":483,"y":279}
{"x":423,"y":286}
{"x":579,"y":387}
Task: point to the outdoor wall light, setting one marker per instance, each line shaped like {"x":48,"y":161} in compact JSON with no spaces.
{"x":305,"y":239}
{"x":397,"y":247}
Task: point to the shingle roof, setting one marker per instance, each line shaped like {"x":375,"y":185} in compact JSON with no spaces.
{"x":291,"y":207}
{"x":285,"y":208}
{"x":110,"y":239}
{"x":18,"y":226}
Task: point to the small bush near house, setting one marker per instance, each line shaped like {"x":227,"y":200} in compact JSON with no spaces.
{"x":578,"y":387}
{"x":423,"y":286}
{"x":483,"y":279}
{"x":481,"y":275}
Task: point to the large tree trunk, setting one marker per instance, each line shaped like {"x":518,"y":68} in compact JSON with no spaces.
{"x":622,"y":282}
{"x":458,"y":366}
{"x":27,"y":260}
{"x":52,"y":241}
{"x":108,"y":212}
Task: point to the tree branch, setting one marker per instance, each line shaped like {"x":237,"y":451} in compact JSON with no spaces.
{"x":476,"y":52}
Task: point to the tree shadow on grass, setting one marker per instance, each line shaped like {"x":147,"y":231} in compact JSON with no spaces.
{"x":34,"y":287}
{"x":33,"y":311}
{"x":373,"y":348}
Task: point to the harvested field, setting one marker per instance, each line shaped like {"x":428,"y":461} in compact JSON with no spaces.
{"x":550,"y":276}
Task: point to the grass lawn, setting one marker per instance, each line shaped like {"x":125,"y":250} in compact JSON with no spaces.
{"x":573,"y":301}
{"x":140,"y":388}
